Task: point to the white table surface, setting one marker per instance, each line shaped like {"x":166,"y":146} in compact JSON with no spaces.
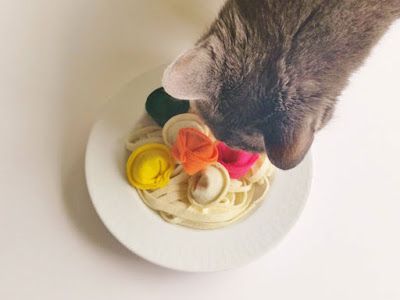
{"x":59,"y":63}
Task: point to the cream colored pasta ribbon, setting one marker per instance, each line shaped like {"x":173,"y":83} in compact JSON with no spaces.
{"x":208,"y":199}
{"x":143,"y":136}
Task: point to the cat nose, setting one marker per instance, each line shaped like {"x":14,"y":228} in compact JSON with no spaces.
{"x":235,"y":147}
{"x":216,"y":134}
{"x":231,"y":144}
{"x":224,"y":136}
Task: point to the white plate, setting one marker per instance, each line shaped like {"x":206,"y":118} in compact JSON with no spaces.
{"x":145,"y":233}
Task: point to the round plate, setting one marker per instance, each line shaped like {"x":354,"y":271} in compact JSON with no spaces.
{"x":145,"y":233}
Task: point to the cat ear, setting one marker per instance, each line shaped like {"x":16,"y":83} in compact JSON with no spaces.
{"x":287,"y":142}
{"x":189,"y":77}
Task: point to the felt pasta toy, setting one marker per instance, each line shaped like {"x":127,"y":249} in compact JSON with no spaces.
{"x":194,"y":150}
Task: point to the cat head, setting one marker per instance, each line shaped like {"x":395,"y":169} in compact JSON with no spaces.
{"x":248,"y":109}
{"x":247,"y":93}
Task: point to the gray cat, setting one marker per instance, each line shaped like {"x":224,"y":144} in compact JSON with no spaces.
{"x":267,"y":74}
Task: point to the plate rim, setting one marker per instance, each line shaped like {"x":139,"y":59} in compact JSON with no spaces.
{"x":291,"y":223}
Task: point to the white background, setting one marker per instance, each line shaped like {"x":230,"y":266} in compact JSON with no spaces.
{"x":59,"y":63}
